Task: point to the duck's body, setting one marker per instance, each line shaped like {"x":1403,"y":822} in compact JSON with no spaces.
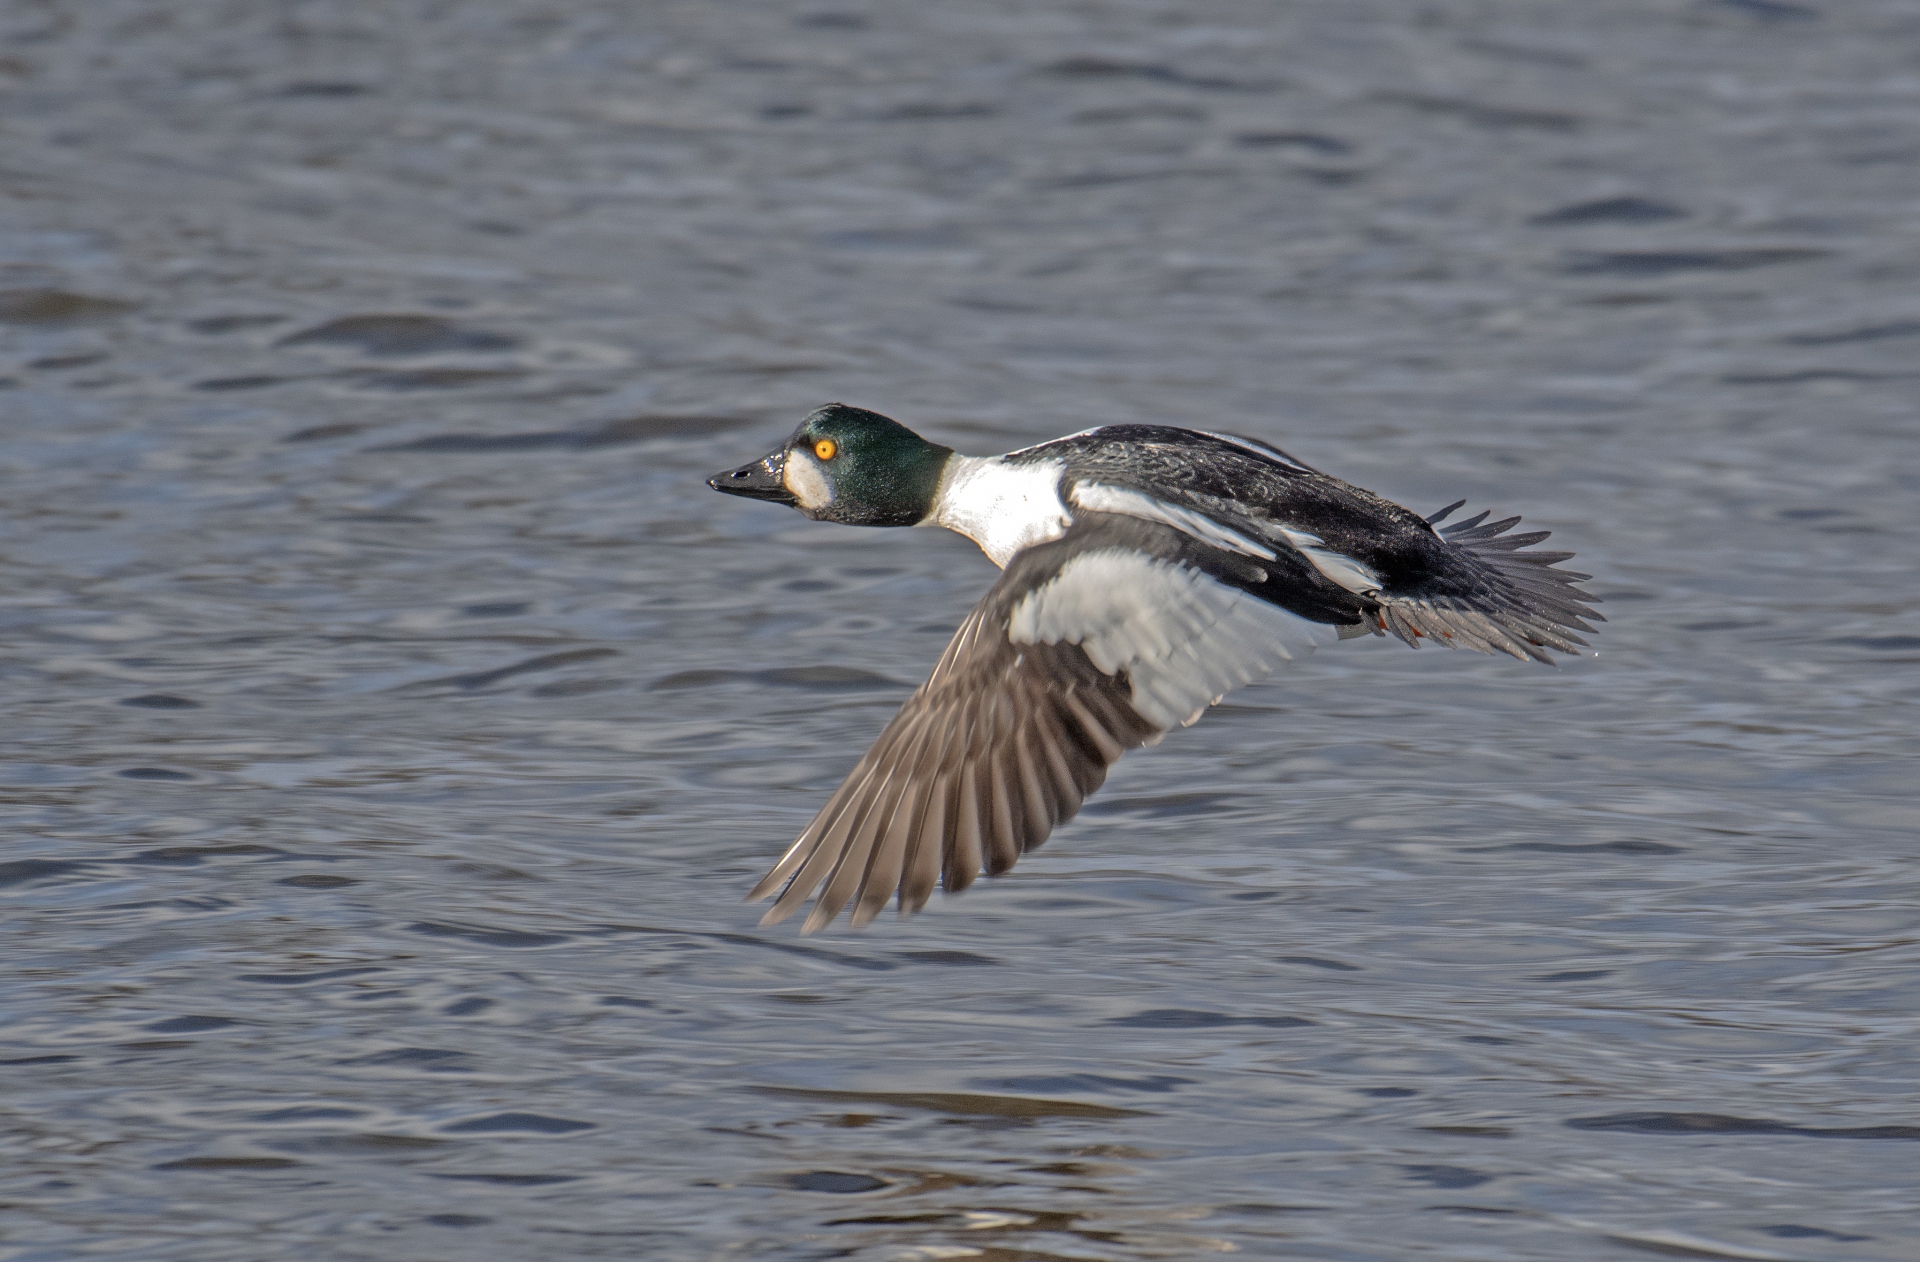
{"x":1147,"y":571}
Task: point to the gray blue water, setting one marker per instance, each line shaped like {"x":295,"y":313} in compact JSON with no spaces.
{"x":395,"y":720}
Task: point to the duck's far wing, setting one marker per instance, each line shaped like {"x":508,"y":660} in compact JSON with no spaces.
{"x":1088,"y":646}
{"x":1481,"y":589}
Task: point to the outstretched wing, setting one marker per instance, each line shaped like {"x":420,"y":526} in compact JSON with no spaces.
{"x":1087,"y":647}
{"x":1482,"y":590}
{"x":1470,"y":585}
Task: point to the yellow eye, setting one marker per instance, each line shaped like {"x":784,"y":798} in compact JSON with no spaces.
{"x":825,"y":448}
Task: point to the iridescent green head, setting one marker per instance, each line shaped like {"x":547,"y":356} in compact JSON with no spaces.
{"x":848,"y":465}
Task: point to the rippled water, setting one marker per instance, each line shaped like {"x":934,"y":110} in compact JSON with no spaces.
{"x":395,"y":719}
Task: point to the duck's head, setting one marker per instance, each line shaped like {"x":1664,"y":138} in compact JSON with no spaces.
{"x":848,"y":465}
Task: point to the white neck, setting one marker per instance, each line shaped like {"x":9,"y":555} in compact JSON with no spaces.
{"x":1001,"y":507}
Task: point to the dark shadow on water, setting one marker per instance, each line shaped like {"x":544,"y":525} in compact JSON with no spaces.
{"x":56,"y":306}
{"x":1484,"y":114}
{"x":1157,"y":1084}
{"x":307,"y":979}
{"x":1314,"y":961}
{"x":400,"y":335}
{"x":513,"y":939}
{"x":1861,"y":333}
{"x":486,"y":678}
{"x":1194,"y":1019}
{"x":1090,"y":67}
{"x":20,"y":871}
{"x":633,"y":429}
{"x":1724,"y":1124}
{"x":428,"y":1059}
{"x":814,"y":678}
{"x":1631,"y":845}
{"x":517,"y":1124}
{"x":405,"y":380}
{"x":1668,"y":262}
{"x":510,"y":1180}
{"x":1628,"y":210}
{"x":1790,"y":1231}
{"x":834,"y":1181}
{"x":1159,"y":806}
{"x":191,"y":856}
{"x":964,"y":959}
{"x":1451,"y":1178}
{"x":191,"y":1024}
{"x":1881,"y":643}
{"x":317,"y":881}
{"x":227,"y":1165}
{"x":963,"y":1103}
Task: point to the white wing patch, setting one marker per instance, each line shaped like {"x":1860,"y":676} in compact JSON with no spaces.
{"x":1001,"y":507}
{"x":1100,"y":498}
{"x":1337,"y":566}
{"x":1184,"y":639}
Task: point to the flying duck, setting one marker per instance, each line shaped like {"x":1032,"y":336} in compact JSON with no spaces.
{"x":1146,"y":571}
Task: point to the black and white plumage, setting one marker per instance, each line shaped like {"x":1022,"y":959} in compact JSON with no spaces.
{"x":1146,"y":572}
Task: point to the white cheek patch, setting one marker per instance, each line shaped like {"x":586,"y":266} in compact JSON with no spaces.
{"x":807,"y":481}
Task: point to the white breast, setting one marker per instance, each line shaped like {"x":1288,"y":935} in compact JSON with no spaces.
{"x":1002,"y":507}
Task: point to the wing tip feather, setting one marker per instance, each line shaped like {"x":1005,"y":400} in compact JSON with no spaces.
{"x":1520,"y":604}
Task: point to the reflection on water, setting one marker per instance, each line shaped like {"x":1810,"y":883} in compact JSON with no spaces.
{"x":396,"y":719}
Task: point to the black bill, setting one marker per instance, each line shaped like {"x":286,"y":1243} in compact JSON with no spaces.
{"x":760,"y":480}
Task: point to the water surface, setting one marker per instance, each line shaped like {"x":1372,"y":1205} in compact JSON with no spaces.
{"x":395,"y":719}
